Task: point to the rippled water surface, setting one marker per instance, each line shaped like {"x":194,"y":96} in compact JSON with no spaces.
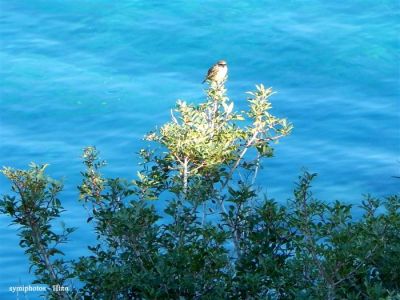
{"x":77,"y":73}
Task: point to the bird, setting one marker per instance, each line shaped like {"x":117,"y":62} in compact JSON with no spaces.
{"x":217,"y":73}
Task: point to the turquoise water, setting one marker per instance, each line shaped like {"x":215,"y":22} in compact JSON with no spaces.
{"x":78,"y":73}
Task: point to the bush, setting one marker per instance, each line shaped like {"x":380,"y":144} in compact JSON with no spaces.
{"x":216,"y":239}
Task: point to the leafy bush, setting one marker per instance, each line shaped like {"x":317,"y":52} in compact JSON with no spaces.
{"x":216,"y":238}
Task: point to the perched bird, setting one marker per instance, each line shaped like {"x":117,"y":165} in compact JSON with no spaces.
{"x":217,"y":73}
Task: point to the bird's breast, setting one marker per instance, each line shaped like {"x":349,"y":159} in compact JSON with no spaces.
{"x":222,"y":74}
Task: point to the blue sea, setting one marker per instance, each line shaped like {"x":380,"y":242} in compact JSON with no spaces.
{"x":78,"y":73}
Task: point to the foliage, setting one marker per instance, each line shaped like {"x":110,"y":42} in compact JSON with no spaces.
{"x":216,"y":238}
{"x":34,"y":209}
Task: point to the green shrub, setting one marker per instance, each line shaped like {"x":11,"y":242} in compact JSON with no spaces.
{"x":216,"y":238}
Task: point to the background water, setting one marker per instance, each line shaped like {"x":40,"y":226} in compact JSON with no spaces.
{"x":77,"y":73}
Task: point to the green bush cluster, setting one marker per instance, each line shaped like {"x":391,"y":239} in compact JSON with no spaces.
{"x":216,"y":238}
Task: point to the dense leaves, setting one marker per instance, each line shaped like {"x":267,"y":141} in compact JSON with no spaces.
{"x":216,"y":237}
